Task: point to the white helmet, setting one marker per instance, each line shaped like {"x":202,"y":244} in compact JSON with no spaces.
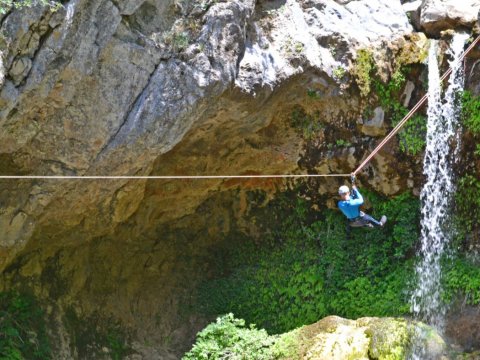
{"x":343,"y":189}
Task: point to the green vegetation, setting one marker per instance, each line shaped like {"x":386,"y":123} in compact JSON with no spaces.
{"x":6,"y":5}
{"x":298,"y":47}
{"x":471,"y":116}
{"x":312,"y":94}
{"x":178,"y":40}
{"x":22,"y":328}
{"x":462,"y":278}
{"x":306,"y":268}
{"x":467,"y":211}
{"x":388,"y":94}
{"x":364,"y":65}
{"x":343,"y":143}
{"x":339,"y":72}
{"x":229,"y":338}
{"x":412,"y":135}
{"x":306,"y":125}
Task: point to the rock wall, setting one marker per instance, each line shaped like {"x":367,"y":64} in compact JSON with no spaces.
{"x":157,"y":87}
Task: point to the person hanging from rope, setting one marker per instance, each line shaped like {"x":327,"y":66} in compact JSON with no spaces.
{"x":350,"y":206}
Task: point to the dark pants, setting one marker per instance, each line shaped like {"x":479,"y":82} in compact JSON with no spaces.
{"x":363,"y":220}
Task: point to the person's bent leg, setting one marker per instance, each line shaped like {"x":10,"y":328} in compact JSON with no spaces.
{"x":371,"y":220}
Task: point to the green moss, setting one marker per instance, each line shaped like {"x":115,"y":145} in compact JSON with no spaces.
{"x":363,"y":67}
{"x":413,"y":51}
{"x":389,"y":339}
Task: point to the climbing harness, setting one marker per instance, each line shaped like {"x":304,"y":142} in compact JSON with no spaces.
{"x":173,"y":177}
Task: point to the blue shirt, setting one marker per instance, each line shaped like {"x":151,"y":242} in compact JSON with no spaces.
{"x":351,"y":208}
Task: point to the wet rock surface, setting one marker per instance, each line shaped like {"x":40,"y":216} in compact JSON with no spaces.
{"x":366,"y":338}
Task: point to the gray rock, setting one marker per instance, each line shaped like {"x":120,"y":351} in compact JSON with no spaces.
{"x":20,"y":69}
{"x":412,"y":9}
{"x":407,"y":93}
{"x":375,"y":126}
{"x":439,"y":15}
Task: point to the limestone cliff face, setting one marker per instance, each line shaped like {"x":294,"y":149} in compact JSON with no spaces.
{"x":107,"y":88}
{"x":159,"y":87}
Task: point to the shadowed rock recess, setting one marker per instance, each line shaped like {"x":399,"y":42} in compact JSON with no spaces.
{"x":164,"y":87}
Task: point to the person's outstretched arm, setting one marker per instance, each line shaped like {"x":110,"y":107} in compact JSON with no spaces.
{"x":357,"y":198}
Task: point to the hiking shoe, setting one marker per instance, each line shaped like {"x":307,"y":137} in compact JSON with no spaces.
{"x":383,"y":220}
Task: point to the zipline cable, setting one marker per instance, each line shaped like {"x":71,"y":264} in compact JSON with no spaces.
{"x":177,"y":177}
{"x":168,"y":177}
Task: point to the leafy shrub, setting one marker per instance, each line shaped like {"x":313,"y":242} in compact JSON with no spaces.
{"x":22,"y":328}
{"x":471,"y":111}
{"x":467,"y":201}
{"x":228,"y":338}
{"x":471,"y":114}
{"x":412,"y":135}
{"x":461,"y":277}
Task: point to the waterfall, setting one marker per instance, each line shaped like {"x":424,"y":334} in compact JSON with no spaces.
{"x":442,"y":125}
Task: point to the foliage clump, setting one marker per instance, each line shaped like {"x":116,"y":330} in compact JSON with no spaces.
{"x":413,"y":133}
{"x":462,"y":278}
{"x":22,"y":328}
{"x":305,"y":124}
{"x":471,"y":115}
{"x":364,"y":65}
{"x":228,"y":338}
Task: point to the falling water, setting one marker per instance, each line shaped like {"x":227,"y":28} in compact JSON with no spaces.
{"x":442,"y":126}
